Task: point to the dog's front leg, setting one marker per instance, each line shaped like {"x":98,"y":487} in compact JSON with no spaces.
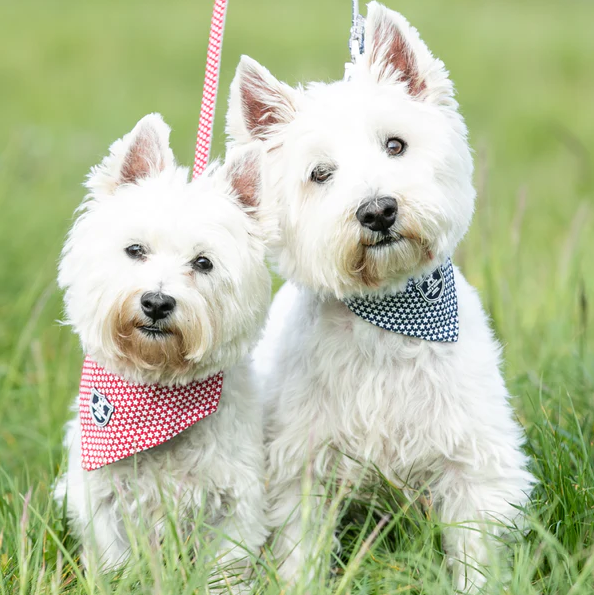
{"x":104,"y":542}
{"x":243,"y":533}
{"x":302,"y":528}
{"x":92,"y":509}
{"x":477,"y":511}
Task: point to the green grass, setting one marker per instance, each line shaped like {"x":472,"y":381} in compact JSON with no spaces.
{"x":74,"y":76}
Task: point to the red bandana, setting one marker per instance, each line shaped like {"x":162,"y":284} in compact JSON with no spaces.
{"x":120,"y":418}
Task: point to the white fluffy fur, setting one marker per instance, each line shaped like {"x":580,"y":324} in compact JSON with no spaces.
{"x":427,"y":414}
{"x":217,"y":464}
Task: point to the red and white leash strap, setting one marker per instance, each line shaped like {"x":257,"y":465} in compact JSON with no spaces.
{"x":211,"y":83}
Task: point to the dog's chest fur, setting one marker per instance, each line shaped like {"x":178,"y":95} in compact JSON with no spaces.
{"x":370,"y":393}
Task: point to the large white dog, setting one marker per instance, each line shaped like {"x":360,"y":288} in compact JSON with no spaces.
{"x":166,"y":286}
{"x":377,"y":347}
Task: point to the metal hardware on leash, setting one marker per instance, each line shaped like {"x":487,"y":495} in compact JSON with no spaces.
{"x":356,"y":40}
{"x":211,"y":83}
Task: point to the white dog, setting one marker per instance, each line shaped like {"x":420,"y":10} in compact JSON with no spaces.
{"x":377,"y":347}
{"x":167,"y":288}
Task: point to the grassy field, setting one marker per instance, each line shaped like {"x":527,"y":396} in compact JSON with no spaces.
{"x":74,"y":76}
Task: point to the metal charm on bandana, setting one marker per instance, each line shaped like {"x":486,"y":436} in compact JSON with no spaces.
{"x":426,"y":309}
{"x":119,"y":418}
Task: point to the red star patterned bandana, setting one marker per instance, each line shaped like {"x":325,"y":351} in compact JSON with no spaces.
{"x":119,"y":418}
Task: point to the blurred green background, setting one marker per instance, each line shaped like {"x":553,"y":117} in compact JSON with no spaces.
{"x":74,"y":76}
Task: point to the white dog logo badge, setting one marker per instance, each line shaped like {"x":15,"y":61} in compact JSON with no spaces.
{"x":101,"y":408}
{"x":432,"y":286}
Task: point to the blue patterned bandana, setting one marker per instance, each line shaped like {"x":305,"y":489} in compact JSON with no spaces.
{"x":426,"y":309}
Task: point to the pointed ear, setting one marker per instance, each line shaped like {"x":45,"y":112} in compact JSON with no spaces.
{"x":394,"y":52}
{"x":242,"y":172}
{"x":258,"y":103}
{"x":149,"y":152}
{"x":140,"y":154}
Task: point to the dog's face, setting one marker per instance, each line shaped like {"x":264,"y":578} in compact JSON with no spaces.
{"x":370,"y":180}
{"x":163,"y":277}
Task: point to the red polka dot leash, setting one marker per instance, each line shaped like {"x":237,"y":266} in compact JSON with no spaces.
{"x":211,"y":83}
{"x":119,"y":419}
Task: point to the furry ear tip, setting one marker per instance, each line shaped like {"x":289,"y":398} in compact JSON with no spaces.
{"x":376,"y":10}
{"x":152,"y":117}
{"x":252,"y":69}
{"x":246,"y":60}
{"x":380,"y":15}
{"x":247,"y":66}
{"x":155,"y":122}
{"x":247,"y":69}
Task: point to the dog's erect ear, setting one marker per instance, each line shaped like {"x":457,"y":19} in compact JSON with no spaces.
{"x":395,"y":52}
{"x":149,"y":152}
{"x":258,"y":103}
{"x":242,"y":171}
{"x":140,"y":154}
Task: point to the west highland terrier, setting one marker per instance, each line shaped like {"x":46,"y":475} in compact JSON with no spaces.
{"x":166,"y":286}
{"x":377,"y":351}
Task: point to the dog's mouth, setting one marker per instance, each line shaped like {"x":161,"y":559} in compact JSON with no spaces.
{"x":153,"y":331}
{"x":384,"y":242}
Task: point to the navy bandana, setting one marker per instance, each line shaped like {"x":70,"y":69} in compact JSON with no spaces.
{"x":426,"y":309}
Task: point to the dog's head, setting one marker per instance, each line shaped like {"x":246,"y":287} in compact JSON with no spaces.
{"x":370,"y":180}
{"x":165,"y":279}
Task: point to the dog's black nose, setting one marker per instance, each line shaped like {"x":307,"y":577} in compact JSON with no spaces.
{"x":157,"y":305}
{"x":378,"y":214}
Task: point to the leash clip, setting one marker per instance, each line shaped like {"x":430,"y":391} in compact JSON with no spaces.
{"x":356,"y":40}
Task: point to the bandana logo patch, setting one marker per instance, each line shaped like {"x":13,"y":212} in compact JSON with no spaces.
{"x":101,"y":408}
{"x":432,"y":286}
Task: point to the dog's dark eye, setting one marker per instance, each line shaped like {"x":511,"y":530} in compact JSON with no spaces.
{"x":202,"y":264}
{"x":321,"y":174}
{"x":395,"y":146}
{"x":136,"y":251}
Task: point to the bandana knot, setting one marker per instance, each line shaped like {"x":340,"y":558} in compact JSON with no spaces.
{"x":426,"y":309}
{"x":119,"y":418}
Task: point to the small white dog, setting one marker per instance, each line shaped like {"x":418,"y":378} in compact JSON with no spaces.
{"x":167,"y":287}
{"x":377,"y":347}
